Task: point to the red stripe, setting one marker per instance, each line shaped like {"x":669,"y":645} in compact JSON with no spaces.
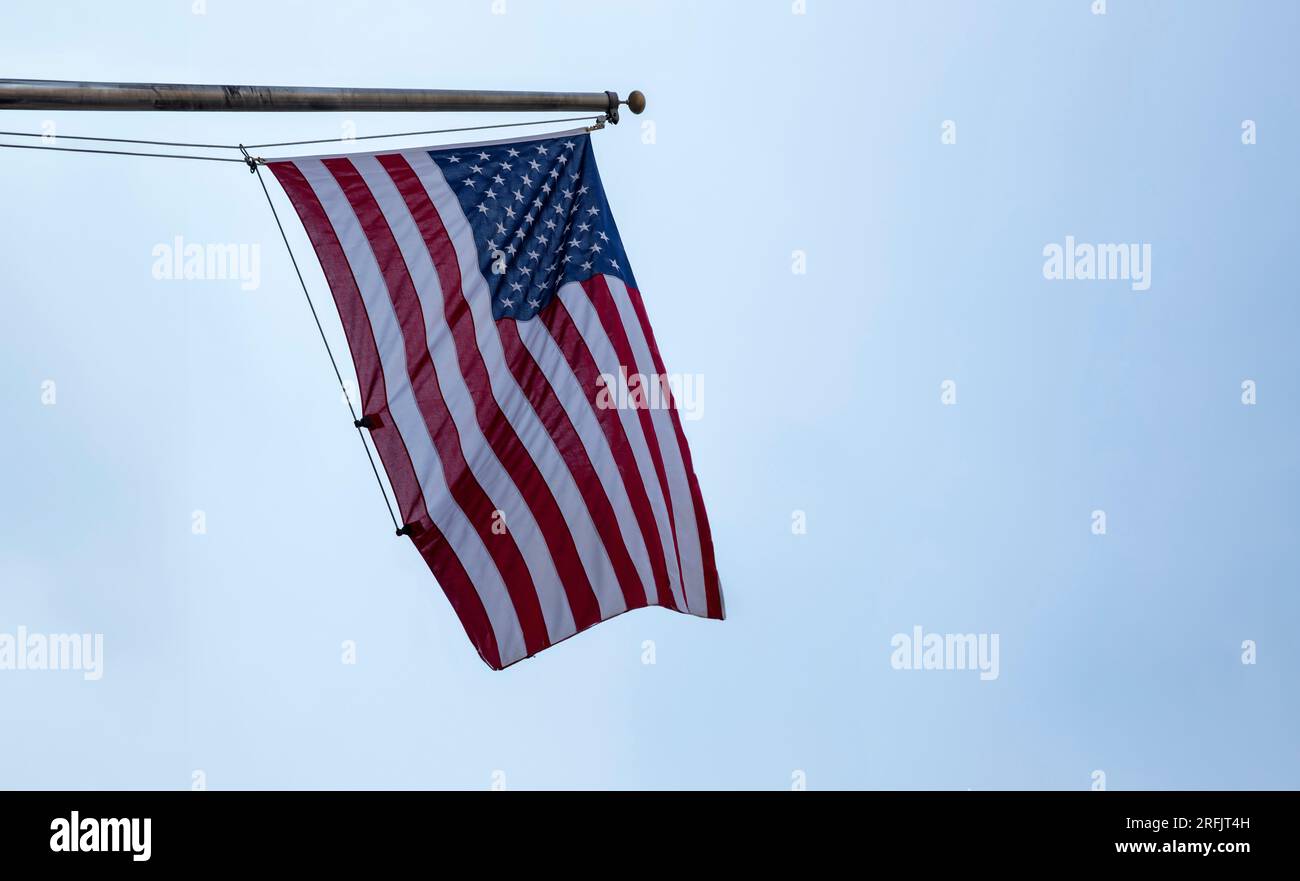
{"x":393,"y":454}
{"x":496,"y":428}
{"x":464,"y":599}
{"x":549,"y":409}
{"x":603,"y":300}
{"x":569,"y":339}
{"x":712,"y":590}
{"x":464,"y":486}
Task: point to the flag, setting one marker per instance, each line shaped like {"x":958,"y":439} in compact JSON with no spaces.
{"x":489,"y":307}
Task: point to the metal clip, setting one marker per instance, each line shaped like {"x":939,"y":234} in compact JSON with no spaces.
{"x":251,"y":161}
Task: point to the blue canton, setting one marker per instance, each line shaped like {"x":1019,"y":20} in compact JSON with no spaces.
{"x":539,"y":215}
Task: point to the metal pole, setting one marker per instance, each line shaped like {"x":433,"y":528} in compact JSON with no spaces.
{"x":61,"y":95}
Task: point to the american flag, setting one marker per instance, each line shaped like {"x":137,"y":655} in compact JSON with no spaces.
{"x":484,"y":292}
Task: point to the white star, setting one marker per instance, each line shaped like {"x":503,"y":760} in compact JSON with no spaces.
{"x":593,"y":210}
{"x":516,"y":286}
{"x":469,"y":182}
{"x":498,"y":179}
{"x":586,"y":266}
{"x":506,"y":166}
{"x":561,"y":159}
{"x":584,"y":226}
{"x":603,"y":237}
{"x":559,"y":209}
{"x":554,"y":174}
{"x":476,"y":169}
{"x":536,"y":304}
{"x":594,"y":247}
{"x":551,"y":224}
{"x":491,"y":194}
{"x":507,"y":302}
{"x":510,"y":212}
{"x":534,"y":165}
{"x":569,"y":145}
{"x":512,"y":152}
{"x":541,"y":149}
{"x":528,"y":181}
{"x":582,"y":191}
{"x":614,"y":262}
{"x":533,"y":255}
{"x":482,"y":209}
{"x":484,"y":156}
{"x":543,"y":240}
{"x":519,"y":196}
{"x":501,"y":229}
{"x":574,"y":243}
{"x":453,"y":158}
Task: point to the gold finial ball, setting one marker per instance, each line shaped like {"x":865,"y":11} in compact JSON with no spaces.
{"x":636,"y":101}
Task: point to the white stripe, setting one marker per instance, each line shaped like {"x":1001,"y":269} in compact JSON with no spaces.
{"x":511,"y":400}
{"x":577,"y":405}
{"x":602,"y":351}
{"x":679,"y":487}
{"x":410,"y":423}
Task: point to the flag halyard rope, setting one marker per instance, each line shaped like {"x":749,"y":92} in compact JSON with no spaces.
{"x":119,"y":152}
{"x":598,"y":123}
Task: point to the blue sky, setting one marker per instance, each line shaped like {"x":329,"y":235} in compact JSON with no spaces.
{"x":772,"y":132}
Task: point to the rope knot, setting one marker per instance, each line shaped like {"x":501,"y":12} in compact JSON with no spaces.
{"x":251,"y":161}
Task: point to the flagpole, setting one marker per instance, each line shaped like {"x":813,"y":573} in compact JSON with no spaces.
{"x":72,"y":95}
